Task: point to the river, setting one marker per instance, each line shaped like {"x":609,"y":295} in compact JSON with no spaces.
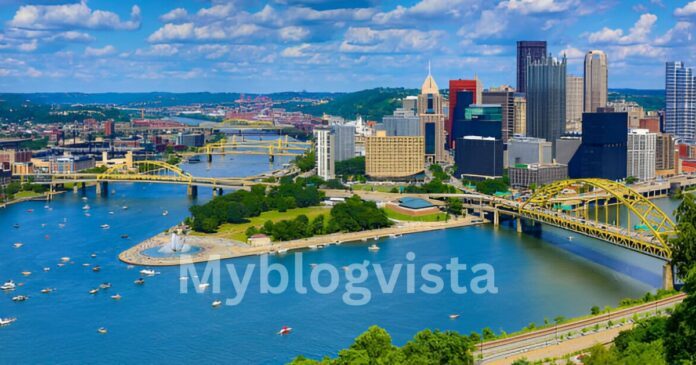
{"x":536,"y":277}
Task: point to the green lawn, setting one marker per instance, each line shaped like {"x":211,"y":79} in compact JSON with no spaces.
{"x":379,"y":188}
{"x":26,"y":194}
{"x":236,"y":231}
{"x":424,"y":218}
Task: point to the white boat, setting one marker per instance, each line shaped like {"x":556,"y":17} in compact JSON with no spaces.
{"x":9,"y":285}
{"x":61,"y":225}
{"x":94,"y":291}
{"x":203,"y":286}
{"x":570,"y":238}
{"x":394,"y":235}
{"x":124,"y":207}
{"x":47,"y":290}
{"x":116,"y":297}
{"x":93,"y":255}
{"x":313,"y":247}
{"x":282,"y":250}
{"x":285,"y":331}
{"x":87,"y":215}
{"x":86,"y":207}
{"x":26,"y":273}
{"x":7,"y":321}
{"x":18,"y":245}
{"x":373,"y":247}
{"x":165,"y":213}
{"x":217,"y":303}
{"x":84,"y":198}
{"x":111,"y":212}
{"x":20,"y":298}
{"x":454,"y":316}
{"x":104,"y":285}
{"x":139,"y":281}
{"x":85,"y":264}
{"x":65,"y":259}
{"x":102,"y":330}
{"x":148,"y":272}
{"x":46,"y":269}
{"x":105,"y":226}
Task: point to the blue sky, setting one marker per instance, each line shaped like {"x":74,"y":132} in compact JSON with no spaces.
{"x":317,"y":45}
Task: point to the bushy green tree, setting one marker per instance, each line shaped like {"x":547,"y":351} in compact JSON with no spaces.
{"x":684,"y":245}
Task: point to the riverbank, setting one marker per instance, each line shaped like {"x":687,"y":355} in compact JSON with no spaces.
{"x":213,"y":248}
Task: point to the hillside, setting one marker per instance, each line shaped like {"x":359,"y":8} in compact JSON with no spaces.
{"x":648,"y":99}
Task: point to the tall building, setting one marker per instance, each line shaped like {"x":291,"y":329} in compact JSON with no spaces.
{"x":680,"y":102}
{"x":528,"y":51}
{"x":634,"y":110}
{"x":325,"y":153}
{"x":602,"y":152}
{"x":109,"y":128}
{"x":455,"y":86}
{"x":529,"y":150}
{"x":483,"y":120}
{"x":526,"y":175}
{"x":665,"y":154}
{"x":640,"y":157}
{"x":403,"y":122}
{"x":506,"y":100}
{"x":519,"y":123}
{"x":479,"y":158}
{"x":344,"y":138}
{"x":393,"y":157}
{"x":574,"y":103}
{"x":546,"y":98}
{"x":596,"y":75}
{"x":410,"y":103}
{"x":432,"y":120}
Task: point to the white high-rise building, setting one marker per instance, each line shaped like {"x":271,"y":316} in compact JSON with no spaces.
{"x":325,"y":145}
{"x":641,"y":154}
{"x":574,"y":103}
{"x":680,"y":102}
{"x":596,"y":75}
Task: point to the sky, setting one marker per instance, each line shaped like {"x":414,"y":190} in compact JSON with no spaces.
{"x":317,"y":45}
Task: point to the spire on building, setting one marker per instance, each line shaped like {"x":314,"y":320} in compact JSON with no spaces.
{"x":429,"y":85}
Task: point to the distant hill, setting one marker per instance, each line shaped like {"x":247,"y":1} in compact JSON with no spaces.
{"x":648,"y":99}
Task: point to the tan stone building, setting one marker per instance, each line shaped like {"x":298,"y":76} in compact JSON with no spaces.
{"x":394,"y":157}
{"x":432,"y":121}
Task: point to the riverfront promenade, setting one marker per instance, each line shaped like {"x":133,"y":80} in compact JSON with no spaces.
{"x":220,"y":248}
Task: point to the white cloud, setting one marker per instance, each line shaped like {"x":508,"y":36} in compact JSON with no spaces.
{"x":572,"y":53}
{"x":637,"y":34}
{"x":296,"y":51}
{"x":100,"y":52}
{"x":76,"y":16}
{"x":680,"y":34}
{"x":426,"y":9}
{"x":158,"y":50}
{"x":174,"y":15}
{"x":537,"y":6}
{"x":688,"y":10}
{"x":367,"y":40}
{"x":293,"y":33}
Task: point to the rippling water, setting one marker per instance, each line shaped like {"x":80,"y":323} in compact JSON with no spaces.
{"x":537,"y":278}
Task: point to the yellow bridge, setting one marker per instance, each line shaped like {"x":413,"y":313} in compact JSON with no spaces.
{"x":270,"y":148}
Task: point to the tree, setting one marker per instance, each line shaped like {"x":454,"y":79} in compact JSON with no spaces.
{"x":684,"y":245}
{"x":351,"y":166}
{"x":631,"y":180}
{"x":488,"y":334}
{"x":429,"y":347}
{"x":595,"y":310}
{"x":680,"y":338}
{"x":454,"y":206}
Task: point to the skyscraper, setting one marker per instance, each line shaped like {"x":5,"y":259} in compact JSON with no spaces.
{"x":596,"y":75}
{"x":432,"y":120}
{"x":546,"y":98}
{"x":519,"y":123}
{"x":344,"y":138}
{"x":680,"y":102}
{"x":534,"y":50}
{"x":506,"y":100}
{"x":574,"y":103}
{"x":456,"y":86}
{"x":402,"y":123}
{"x":325,"y":143}
{"x":640,"y":156}
{"x":602,"y":153}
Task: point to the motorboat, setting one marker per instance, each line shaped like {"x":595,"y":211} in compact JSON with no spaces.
{"x":105,"y":226}
{"x":394,"y":235}
{"x":93,"y":255}
{"x":102,"y":330}
{"x":61,"y":225}
{"x":88,"y":215}
{"x":86,"y":264}
{"x":18,"y":245}
{"x":570,"y":238}
{"x":86,"y":207}
{"x":203,"y":286}
{"x":47,"y":290}
{"x":165,"y":213}
{"x":148,"y":272}
{"x":46,"y":269}
{"x":7,"y":321}
{"x":26,"y":273}
{"x":139,"y":281}
{"x":124,"y":207}
{"x":124,"y":236}
{"x":20,"y":298}
{"x":364,"y":239}
{"x":15,"y":225}
{"x":9,"y":285}
{"x":104,"y":285}
{"x":373,"y":247}
{"x":285,"y":330}
{"x":116,"y":297}
{"x":282,"y":250}
{"x":65,"y":259}
{"x":84,"y":198}
{"x":96,"y":268}
{"x":313,"y":247}
{"x":111,"y":212}
{"x":453,"y":316}
{"x":94,"y":291}
{"x":217,"y":303}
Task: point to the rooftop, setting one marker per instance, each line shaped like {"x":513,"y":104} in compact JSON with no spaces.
{"x":414,"y":203}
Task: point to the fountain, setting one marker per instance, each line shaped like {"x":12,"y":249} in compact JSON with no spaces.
{"x":177,"y":246}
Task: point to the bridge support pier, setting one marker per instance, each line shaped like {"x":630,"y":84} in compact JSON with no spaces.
{"x":192,"y":191}
{"x":210,"y":157}
{"x":667,"y":277}
{"x":102,"y":188}
{"x":217,"y":191}
{"x":518,"y":223}
{"x":74,"y":188}
{"x":496,"y":218}
{"x":271,"y":158}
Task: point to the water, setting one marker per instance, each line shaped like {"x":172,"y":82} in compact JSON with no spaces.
{"x":154,"y":323}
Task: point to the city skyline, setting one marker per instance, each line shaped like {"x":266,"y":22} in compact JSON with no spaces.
{"x":242,"y":46}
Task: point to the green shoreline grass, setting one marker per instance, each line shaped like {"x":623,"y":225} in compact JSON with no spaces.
{"x":424,"y":218}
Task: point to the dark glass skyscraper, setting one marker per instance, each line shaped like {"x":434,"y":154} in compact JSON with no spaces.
{"x":603,"y":151}
{"x":546,"y":98}
{"x":536,"y":50}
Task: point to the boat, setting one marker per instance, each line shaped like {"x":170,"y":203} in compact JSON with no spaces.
{"x":87,"y":215}
{"x":285,"y":331}
{"x":129,"y":267}
{"x":26,"y":273}
{"x":313,"y":247}
{"x":18,"y":245}
{"x":7,"y":321}
{"x":111,"y":212}
{"x":139,"y":281}
{"x":183,"y":278}
{"x":102,"y":330}
{"x":30,"y":210}
{"x":124,"y":207}
{"x":282,"y":250}
{"x":15,"y":225}
{"x":47,"y":290}
{"x":124,"y":236}
{"x":20,"y":298}
{"x":373,"y":247}
{"x":105,"y":226}
{"x":61,"y":265}
{"x":394,"y":235}
{"x":148,"y":272}
{"x":9,"y":285}
{"x":86,"y":207}
{"x":84,"y":198}
{"x":570,"y":238}
{"x":61,"y":225}
{"x":217,"y":303}
{"x":93,"y":255}
{"x":320,"y":246}
{"x":46,"y":269}
{"x":165,"y":213}
{"x":65,"y":259}
{"x":86,"y":264}
{"x":375,"y":238}
{"x":104,"y":285}
{"x":345,"y":268}
{"x":116,"y":297}
{"x":453,"y":316}
{"x":46,"y":206}
{"x":96,"y":268}
{"x":203,"y":286}
{"x":94,"y":291}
